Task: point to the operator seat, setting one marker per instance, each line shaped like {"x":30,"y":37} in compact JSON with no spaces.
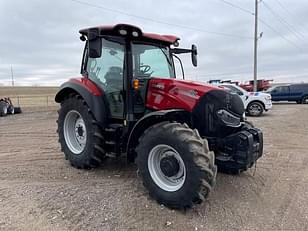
{"x":114,"y":89}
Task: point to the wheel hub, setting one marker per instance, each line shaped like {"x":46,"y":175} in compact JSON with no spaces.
{"x":75,"y":132}
{"x":169,"y":166}
{"x":166,"y":167}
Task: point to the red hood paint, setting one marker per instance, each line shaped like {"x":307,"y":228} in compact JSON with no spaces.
{"x":166,"y":94}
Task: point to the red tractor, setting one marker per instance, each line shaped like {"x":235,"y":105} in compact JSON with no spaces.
{"x":128,"y":101}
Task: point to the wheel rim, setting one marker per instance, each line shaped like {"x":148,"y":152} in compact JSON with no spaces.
{"x":255,"y":109}
{"x":166,"y":168}
{"x":75,"y":132}
{"x":305,"y":101}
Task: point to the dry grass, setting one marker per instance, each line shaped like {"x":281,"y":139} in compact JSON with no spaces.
{"x":30,"y":96}
{"x":26,"y":91}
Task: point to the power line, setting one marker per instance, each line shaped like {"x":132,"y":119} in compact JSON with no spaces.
{"x":283,"y":21}
{"x":261,"y":20}
{"x":159,"y":21}
{"x":237,"y":7}
{"x":290,"y":14}
{"x":283,"y":37}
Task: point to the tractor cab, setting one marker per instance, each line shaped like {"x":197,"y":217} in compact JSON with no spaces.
{"x":122,"y":59}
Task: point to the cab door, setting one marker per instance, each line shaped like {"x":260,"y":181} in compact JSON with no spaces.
{"x":107,"y":72}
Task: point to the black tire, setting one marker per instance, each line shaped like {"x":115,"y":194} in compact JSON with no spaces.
{"x":255,"y":108}
{"x":194,"y":152}
{"x":93,"y":152}
{"x":17,"y":110}
{"x":304,"y":100}
{"x":3,"y":108}
{"x":11,"y":110}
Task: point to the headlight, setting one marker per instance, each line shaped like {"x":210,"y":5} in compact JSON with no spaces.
{"x":228,"y":119}
{"x":268,"y":97}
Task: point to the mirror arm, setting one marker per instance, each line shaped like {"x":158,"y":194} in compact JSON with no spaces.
{"x":180,"y":50}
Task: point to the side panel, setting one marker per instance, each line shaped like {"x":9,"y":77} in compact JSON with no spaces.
{"x":164,"y":94}
{"x":92,"y":94}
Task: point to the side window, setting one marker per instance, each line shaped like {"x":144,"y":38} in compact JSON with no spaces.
{"x":283,"y":89}
{"x":107,"y":70}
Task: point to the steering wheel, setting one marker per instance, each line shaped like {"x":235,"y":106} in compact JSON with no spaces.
{"x":144,"y":69}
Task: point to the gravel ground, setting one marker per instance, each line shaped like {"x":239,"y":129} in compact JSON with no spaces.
{"x":39,"y":190}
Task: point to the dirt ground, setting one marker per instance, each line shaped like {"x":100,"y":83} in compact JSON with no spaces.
{"x":39,"y":190}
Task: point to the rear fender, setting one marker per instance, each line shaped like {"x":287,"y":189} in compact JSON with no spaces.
{"x":173,"y":115}
{"x":91,"y":94}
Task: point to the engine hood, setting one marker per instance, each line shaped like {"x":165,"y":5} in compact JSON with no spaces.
{"x":166,"y":94}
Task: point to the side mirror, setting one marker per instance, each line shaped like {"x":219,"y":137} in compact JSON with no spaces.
{"x":194,"y":54}
{"x":95,"y":46}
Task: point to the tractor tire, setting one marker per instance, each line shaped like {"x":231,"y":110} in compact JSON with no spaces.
{"x":3,"y":108}
{"x":304,"y":100}
{"x":11,"y":110}
{"x":80,"y":136}
{"x":255,"y":109}
{"x":17,"y":110}
{"x":176,"y":165}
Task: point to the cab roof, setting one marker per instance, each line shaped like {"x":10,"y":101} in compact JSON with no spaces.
{"x":115,"y":30}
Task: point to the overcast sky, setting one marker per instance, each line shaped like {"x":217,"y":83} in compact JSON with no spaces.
{"x":40,"y":38}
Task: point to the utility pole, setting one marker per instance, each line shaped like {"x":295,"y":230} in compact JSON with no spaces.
{"x":12,"y":76}
{"x":255,"y":63}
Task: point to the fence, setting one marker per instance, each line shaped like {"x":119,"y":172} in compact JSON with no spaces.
{"x":34,"y":101}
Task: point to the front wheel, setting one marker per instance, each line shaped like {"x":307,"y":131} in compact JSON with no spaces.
{"x":176,"y":165}
{"x":10,"y":110}
{"x":255,"y":109}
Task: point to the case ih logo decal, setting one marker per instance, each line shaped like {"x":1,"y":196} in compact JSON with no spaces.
{"x":189,"y":93}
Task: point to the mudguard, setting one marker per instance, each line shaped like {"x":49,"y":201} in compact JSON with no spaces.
{"x":178,"y":115}
{"x":92,"y":95}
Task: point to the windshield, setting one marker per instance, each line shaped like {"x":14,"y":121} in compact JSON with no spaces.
{"x":150,"y":60}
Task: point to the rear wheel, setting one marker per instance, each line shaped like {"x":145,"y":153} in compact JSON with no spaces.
{"x":80,"y":136}
{"x":255,"y":109}
{"x":305,"y":100}
{"x":176,"y":165}
{"x":3,"y":108}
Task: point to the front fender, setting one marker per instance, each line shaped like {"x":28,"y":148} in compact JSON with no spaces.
{"x":178,"y":115}
{"x":91,"y":94}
